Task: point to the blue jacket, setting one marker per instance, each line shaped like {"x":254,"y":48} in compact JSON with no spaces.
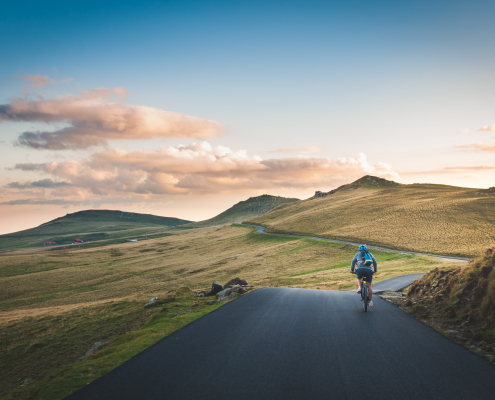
{"x":357,"y":260}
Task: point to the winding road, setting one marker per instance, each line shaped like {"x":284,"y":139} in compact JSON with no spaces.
{"x":261,"y":229}
{"x":281,"y":343}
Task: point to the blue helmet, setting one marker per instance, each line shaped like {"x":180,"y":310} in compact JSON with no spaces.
{"x":363,"y":247}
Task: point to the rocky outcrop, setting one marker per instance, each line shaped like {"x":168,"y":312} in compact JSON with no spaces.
{"x":230,"y":290}
{"x":215,"y":288}
{"x":235,"y":281}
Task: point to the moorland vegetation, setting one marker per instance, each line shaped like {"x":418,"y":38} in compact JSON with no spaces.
{"x":247,"y":209}
{"x":90,"y":225}
{"x":54,"y":305}
{"x":459,"y":302}
{"x":428,"y":218}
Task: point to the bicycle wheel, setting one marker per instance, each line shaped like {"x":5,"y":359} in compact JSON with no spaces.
{"x":365,"y":296}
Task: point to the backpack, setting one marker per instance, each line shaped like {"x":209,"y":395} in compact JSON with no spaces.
{"x":366,"y":258}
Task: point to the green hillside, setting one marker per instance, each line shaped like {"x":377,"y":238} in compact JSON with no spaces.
{"x":89,"y":225}
{"x":430,"y":218}
{"x":247,"y":209}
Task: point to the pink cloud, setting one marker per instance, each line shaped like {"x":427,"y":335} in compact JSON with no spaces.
{"x":94,"y":118}
{"x":200,"y":169}
{"x":300,"y":150}
{"x":481,"y":146}
{"x":37,"y":81}
{"x":490,"y":128}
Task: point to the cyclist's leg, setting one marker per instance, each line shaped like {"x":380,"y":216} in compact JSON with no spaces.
{"x":370,"y":291}
{"x":368,"y":283}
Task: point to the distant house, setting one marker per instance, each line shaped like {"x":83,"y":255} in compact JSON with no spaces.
{"x":45,"y":243}
{"x":133,"y":240}
{"x":78,"y":241}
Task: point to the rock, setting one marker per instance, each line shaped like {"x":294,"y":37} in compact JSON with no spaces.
{"x":215,"y":288}
{"x":210,"y":302}
{"x":222,"y":293}
{"x":319,"y":194}
{"x":235,"y":281}
{"x":241,"y":290}
{"x":151,"y":303}
{"x":227,"y":298}
{"x":97,"y":346}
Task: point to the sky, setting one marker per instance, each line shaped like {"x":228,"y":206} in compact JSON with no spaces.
{"x":184,"y":108}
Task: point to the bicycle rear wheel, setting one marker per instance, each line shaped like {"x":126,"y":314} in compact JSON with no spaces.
{"x":365,"y":296}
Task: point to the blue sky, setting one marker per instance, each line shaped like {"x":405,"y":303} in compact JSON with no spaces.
{"x":396,"y":81}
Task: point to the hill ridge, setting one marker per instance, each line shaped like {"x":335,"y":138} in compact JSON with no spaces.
{"x":246,"y":209}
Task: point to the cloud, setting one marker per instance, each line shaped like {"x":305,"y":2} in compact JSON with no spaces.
{"x":64,"y":139}
{"x":37,"y":81}
{"x":43,"y":183}
{"x":480,"y":146}
{"x":490,"y":128}
{"x":300,"y":150}
{"x":200,"y":169}
{"x":452,"y":170}
{"x":94,"y":118}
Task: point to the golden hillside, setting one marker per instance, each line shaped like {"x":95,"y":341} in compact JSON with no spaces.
{"x":430,"y":218}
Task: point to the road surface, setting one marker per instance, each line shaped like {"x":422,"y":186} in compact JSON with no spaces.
{"x":395,"y":284}
{"x":281,"y":343}
{"x":261,"y":229}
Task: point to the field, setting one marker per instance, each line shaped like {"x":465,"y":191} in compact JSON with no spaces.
{"x":54,"y":305}
{"x":428,"y":218}
{"x":101,"y":226}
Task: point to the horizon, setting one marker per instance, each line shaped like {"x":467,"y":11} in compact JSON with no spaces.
{"x":183,"y":110}
{"x":197,"y":221}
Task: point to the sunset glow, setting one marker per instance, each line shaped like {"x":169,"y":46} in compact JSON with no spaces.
{"x":182,"y":109}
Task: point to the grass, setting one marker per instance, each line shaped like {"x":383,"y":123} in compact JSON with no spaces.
{"x":252,"y":207}
{"x":458,"y":302}
{"x":95,"y":226}
{"x":56,"y":304}
{"x":52,"y":340}
{"x":435,"y":219}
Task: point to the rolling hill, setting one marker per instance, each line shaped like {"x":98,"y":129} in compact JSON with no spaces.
{"x":252,"y":207}
{"x":89,"y":225}
{"x":431,"y":218}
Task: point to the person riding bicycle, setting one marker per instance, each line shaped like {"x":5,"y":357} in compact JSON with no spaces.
{"x":366,"y":266}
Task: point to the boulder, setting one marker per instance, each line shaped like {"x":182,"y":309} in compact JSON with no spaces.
{"x":97,"y":346}
{"x":241,"y":290}
{"x":235,"y":281}
{"x":227,"y":298}
{"x":215,"y":288}
{"x":223,"y":293}
{"x":151,"y":303}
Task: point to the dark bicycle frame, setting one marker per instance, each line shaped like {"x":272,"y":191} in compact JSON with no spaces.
{"x":364,"y":294}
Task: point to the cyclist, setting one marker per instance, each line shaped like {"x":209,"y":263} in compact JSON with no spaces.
{"x":366,"y":266}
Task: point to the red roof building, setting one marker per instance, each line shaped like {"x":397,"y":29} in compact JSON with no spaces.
{"x":48,"y":243}
{"x":78,"y":241}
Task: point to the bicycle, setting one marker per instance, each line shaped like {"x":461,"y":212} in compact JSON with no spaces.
{"x":364,"y":295}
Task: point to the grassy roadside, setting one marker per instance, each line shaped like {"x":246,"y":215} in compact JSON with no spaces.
{"x":59,"y":345}
{"x":458,"y":302}
{"x":55,"y":305}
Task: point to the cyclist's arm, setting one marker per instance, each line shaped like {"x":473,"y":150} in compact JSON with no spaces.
{"x":353,"y":264}
{"x":375,"y":265}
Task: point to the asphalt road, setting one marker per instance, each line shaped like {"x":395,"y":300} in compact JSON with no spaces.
{"x":281,"y":343}
{"x":395,"y":284}
{"x":261,"y":229}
